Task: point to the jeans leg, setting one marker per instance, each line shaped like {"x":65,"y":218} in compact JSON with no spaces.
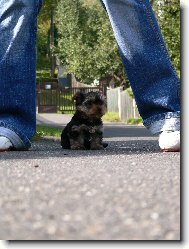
{"x":147,"y":63}
{"x":18,"y":23}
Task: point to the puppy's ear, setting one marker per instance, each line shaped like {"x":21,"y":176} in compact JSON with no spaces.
{"x":78,"y":98}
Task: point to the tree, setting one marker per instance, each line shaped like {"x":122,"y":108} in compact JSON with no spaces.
{"x":86,"y":43}
{"x":46,"y":32}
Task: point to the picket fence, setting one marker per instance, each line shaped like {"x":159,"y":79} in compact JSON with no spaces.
{"x":120,"y":102}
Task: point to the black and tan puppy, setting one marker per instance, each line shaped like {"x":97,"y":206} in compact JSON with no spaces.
{"x":85,"y":130}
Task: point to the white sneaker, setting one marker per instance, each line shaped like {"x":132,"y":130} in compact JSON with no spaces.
{"x":169,"y":141}
{"x":5,"y":144}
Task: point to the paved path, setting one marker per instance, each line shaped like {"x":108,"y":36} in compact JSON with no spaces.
{"x":53,"y":119}
{"x":130,"y":191}
{"x":59,"y":120}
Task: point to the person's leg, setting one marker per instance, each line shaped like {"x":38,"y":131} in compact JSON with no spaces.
{"x":18,"y":24}
{"x":152,"y":77}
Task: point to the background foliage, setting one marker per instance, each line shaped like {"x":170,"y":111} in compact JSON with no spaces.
{"x":78,"y":32}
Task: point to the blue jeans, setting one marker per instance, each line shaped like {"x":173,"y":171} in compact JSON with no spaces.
{"x":146,"y":61}
{"x":142,"y":49}
{"x":18,"y":25}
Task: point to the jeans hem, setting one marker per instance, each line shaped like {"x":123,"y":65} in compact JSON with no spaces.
{"x":18,"y":140}
{"x":164,"y":122}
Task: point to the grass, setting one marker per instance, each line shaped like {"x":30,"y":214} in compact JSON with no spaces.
{"x":42,"y":74}
{"x":114,"y":117}
{"x":43,"y":131}
{"x":43,"y":69}
{"x":111,"y":117}
{"x":134,"y":121}
{"x":66,"y":104}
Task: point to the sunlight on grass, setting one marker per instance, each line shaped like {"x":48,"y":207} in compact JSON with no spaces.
{"x":111,"y":117}
{"x":43,"y":131}
{"x":134,"y":121}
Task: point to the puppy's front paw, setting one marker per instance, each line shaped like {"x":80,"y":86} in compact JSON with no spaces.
{"x":97,"y":147}
{"x":77,"y":147}
{"x":105,"y":145}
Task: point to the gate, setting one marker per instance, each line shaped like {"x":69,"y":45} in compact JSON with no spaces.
{"x":66,"y":103}
{"x":47,"y":97}
{"x":52,"y":98}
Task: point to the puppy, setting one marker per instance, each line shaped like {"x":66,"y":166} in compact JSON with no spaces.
{"x":85,"y":130}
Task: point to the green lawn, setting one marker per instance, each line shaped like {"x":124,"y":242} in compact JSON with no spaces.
{"x":134,"y":121}
{"x":111,"y":117}
{"x":43,"y":68}
{"x":43,"y":131}
{"x":114,"y":117}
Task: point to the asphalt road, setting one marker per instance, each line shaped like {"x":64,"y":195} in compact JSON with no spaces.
{"x":130,"y":191}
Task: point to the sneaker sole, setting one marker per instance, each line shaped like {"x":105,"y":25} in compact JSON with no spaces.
{"x":4,"y":150}
{"x":170,"y":150}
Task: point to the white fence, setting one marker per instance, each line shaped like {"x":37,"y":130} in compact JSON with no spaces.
{"x":119,"y":101}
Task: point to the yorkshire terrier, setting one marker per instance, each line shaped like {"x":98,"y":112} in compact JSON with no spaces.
{"x":85,"y":130}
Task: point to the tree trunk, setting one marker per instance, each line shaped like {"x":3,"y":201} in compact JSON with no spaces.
{"x":52,"y":57}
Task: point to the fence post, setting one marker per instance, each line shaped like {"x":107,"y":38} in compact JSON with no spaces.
{"x":134,"y":108}
{"x":119,"y":101}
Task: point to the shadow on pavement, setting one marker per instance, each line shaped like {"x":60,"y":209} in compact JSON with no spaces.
{"x":50,"y":148}
{"x":115,"y":130}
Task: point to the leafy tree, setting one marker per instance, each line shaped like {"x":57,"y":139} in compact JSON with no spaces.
{"x":85,"y":40}
{"x":87,"y":45}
